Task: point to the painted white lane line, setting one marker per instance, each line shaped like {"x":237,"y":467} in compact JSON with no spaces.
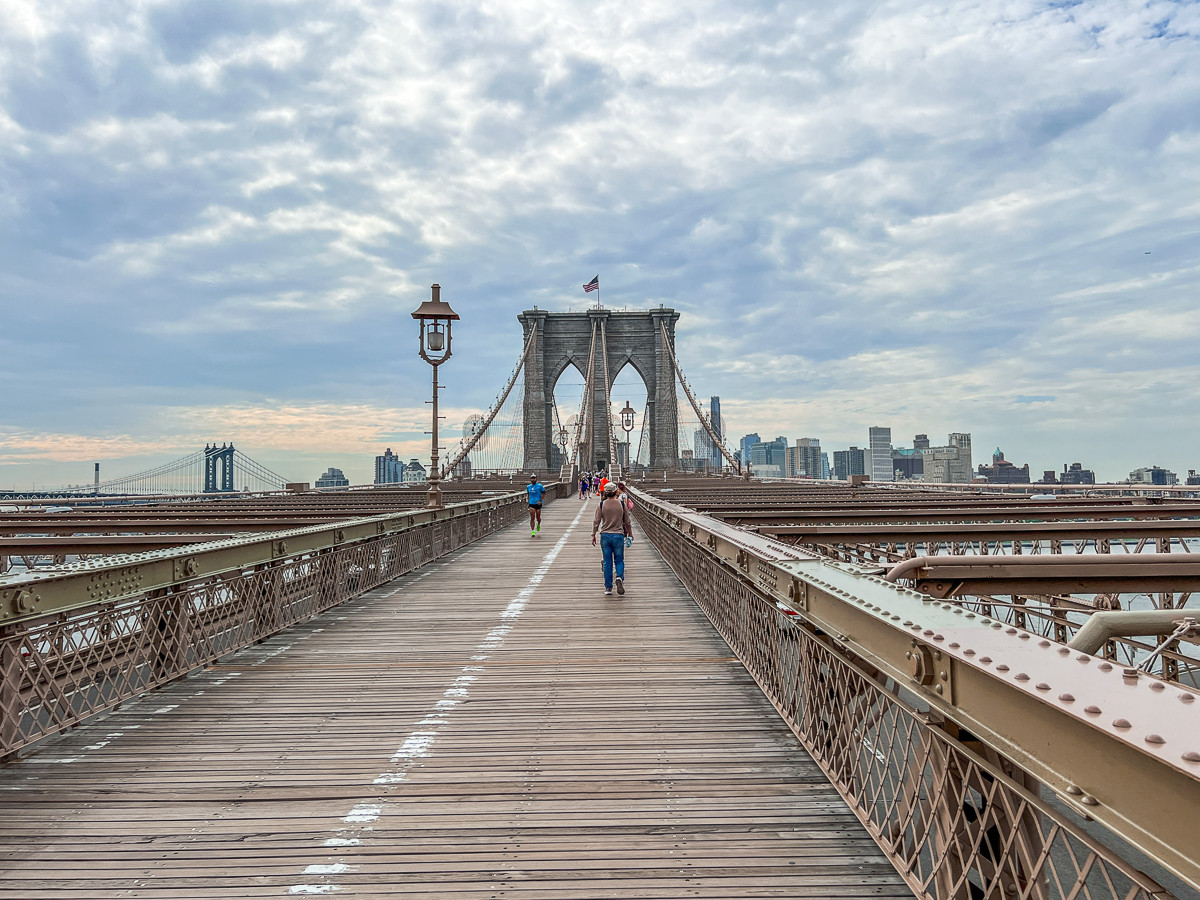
{"x":419,"y":743}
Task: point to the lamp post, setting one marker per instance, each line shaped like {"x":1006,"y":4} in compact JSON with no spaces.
{"x":628,"y":414}
{"x":435,"y":317}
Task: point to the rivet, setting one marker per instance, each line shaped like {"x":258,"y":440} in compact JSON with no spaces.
{"x":1084,"y":658}
{"x":1155,"y":739}
{"x":1192,"y":756}
{"x":1092,"y":710}
{"x":1042,"y":686}
{"x":1089,"y":800}
{"x":985,"y":659}
{"x":954,"y":645}
{"x":1066,"y":698}
{"x":1002,"y":668}
{"x":1024,"y":635}
{"x":1043,"y":643}
{"x":1158,"y":686}
{"x":1121,"y":723}
{"x":927,"y":631}
{"x":1021,"y":676}
{"x":1105,"y":667}
{"x":968,"y":652}
{"x":907,"y":623}
{"x":938,"y":689}
{"x":1073,"y":790}
{"x":1064,"y":651}
{"x":1010,"y":631}
{"x":1186,"y":698}
{"x":939,"y":637}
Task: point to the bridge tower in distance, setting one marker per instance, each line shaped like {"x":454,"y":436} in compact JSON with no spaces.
{"x":218,"y":465}
{"x":630,"y":338}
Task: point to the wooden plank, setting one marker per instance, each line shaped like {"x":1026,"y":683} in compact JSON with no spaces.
{"x":489,"y":726}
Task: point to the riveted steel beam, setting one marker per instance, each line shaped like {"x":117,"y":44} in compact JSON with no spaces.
{"x":1120,"y":748}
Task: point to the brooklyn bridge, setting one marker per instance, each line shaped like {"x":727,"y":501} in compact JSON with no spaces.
{"x":225,"y":684}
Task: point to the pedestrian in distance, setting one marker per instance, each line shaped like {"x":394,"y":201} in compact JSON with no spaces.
{"x":583,"y":486}
{"x":612,"y":524}
{"x":534,"y":490}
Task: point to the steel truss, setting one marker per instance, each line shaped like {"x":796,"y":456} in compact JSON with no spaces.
{"x":945,"y":731}
{"x":80,"y":641}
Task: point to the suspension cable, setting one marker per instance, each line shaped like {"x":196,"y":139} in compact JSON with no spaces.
{"x":467,"y":445}
{"x":716,"y":439}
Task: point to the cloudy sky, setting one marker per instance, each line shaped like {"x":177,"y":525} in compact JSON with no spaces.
{"x":216,"y":217}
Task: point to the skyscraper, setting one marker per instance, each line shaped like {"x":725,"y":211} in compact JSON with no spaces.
{"x":849,"y":462}
{"x":745,"y":444}
{"x":881,"y":453}
{"x":388,"y":468}
{"x":714,"y":416}
{"x":804,"y":459}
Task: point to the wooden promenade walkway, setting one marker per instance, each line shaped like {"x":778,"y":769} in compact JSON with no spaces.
{"x":491,"y":726}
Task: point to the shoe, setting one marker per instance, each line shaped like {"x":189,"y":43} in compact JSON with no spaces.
{"x":607,"y":593}
{"x":539,"y":528}
{"x":621,"y":586}
{"x":533,"y":534}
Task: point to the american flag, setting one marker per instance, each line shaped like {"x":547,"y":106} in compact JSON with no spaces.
{"x":593,"y":285}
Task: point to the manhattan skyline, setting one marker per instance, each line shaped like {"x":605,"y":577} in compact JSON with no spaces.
{"x":216,"y":218}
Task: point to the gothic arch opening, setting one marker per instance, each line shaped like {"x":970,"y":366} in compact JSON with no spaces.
{"x":630,"y":338}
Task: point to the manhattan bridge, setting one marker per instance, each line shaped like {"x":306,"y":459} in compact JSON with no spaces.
{"x":215,"y":682}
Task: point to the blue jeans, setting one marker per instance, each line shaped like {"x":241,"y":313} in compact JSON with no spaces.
{"x":613,"y":546}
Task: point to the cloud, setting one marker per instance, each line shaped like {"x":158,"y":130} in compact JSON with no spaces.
{"x":867,"y":212}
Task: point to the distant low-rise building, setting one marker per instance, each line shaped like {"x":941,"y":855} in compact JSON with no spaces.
{"x":1153,"y":475}
{"x":1192,"y":477}
{"x":333,"y":478}
{"x":907,"y":465}
{"x":950,"y":464}
{"x":1001,"y":471}
{"x":415,"y":472}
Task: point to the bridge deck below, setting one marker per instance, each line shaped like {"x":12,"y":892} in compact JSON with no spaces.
{"x":490,"y":726}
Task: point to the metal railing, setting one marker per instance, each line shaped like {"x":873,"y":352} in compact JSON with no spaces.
{"x":941,"y":730}
{"x":79,"y":640}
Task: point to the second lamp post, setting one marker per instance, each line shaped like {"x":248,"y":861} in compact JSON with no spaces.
{"x":435,"y":316}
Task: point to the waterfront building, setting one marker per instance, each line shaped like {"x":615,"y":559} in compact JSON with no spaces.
{"x":703,"y":448}
{"x":950,"y":464}
{"x":804,"y":459}
{"x":414,"y":472}
{"x":1001,"y":471}
{"x":849,"y":462}
{"x":907,"y":464}
{"x":880,"y":444}
{"x":1153,"y":475}
{"x":333,"y":478}
{"x":772,"y":454}
{"x":745,"y":444}
{"x":714,"y":418}
{"x":388,"y":468}
{"x":1075,"y":474}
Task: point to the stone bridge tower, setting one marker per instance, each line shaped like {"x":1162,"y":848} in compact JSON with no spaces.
{"x":634,"y":339}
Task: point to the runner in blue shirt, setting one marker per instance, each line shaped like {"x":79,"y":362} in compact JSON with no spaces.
{"x":535,"y":491}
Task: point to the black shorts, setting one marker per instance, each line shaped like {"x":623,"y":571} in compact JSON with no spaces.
{"x":535,"y":506}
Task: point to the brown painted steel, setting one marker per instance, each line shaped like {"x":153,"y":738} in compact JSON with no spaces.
{"x":865,"y":672}
{"x":597,"y":747}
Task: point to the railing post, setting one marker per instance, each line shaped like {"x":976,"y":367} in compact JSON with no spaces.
{"x":10,"y":693}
